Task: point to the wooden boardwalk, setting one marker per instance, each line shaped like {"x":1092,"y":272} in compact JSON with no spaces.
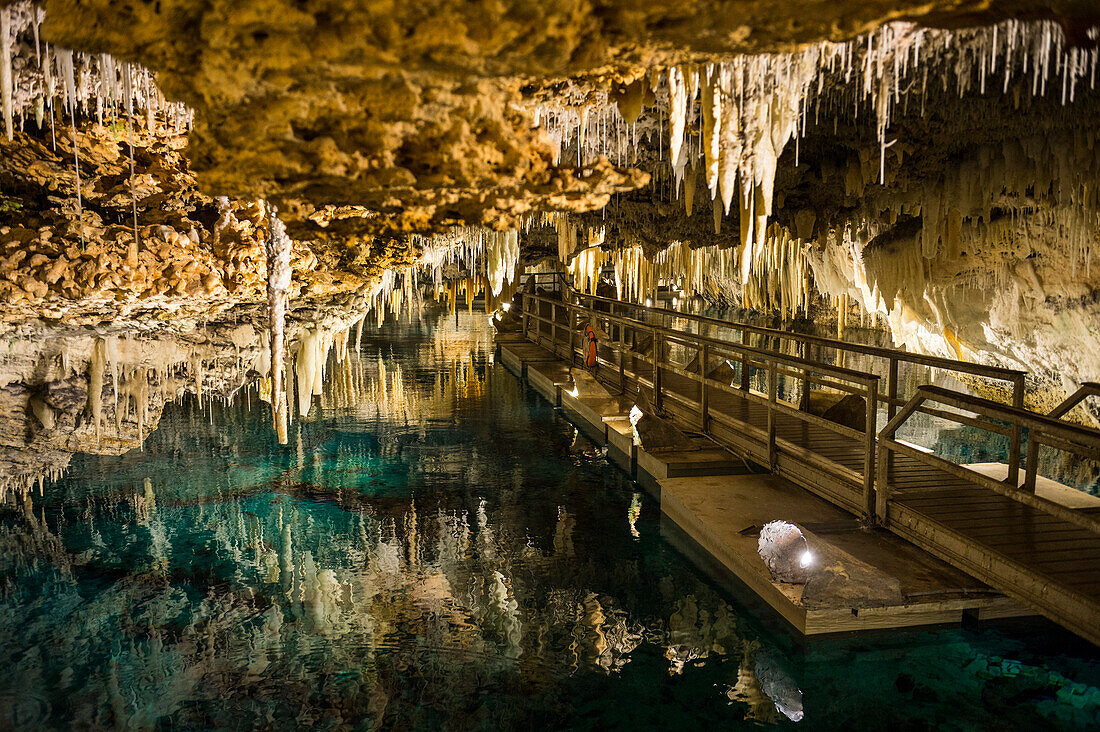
{"x":1008,"y":535}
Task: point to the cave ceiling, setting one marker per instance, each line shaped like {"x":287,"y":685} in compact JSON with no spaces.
{"x":420,"y":112}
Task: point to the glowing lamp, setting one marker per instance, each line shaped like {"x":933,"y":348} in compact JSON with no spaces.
{"x":785,"y":552}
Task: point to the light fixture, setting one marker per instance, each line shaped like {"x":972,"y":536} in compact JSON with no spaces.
{"x":635,"y":416}
{"x":649,"y":302}
{"x":506,"y":306}
{"x":785,"y":552}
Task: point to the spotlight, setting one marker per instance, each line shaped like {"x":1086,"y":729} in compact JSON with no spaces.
{"x":649,"y":302}
{"x":506,"y":306}
{"x":785,"y":552}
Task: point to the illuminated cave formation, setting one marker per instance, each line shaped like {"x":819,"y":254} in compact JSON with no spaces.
{"x":932,"y":175}
{"x":260,"y":263}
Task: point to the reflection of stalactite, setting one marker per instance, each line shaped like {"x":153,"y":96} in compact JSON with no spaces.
{"x":563,"y":533}
{"x":634,"y":513}
{"x":312,"y":571}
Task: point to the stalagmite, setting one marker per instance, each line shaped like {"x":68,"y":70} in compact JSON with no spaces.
{"x":278,"y":246}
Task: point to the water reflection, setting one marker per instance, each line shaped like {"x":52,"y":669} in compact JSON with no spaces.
{"x":434,"y":548}
{"x":429,"y":533}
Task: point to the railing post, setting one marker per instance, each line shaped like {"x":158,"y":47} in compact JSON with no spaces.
{"x":656,"y":369}
{"x":622,"y":369}
{"x":892,"y":389}
{"x":1032,"y":470}
{"x":746,"y":371}
{"x":882,"y":483}
{"x":526,"y":322}
{"x":571,"y":319}
{"x":1013,"y":477}
{"x":554,"y":327}
{"x":704,"y":389}
{"x":886,"y":453}
{"x":869,"y":433}
{"x":773,"y":387}
{"x":886,"y":457}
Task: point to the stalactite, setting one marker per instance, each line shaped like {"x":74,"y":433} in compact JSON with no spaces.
{"x":779,"y":279}
{"x":278,"y":246}
{"x":677,"y":109}
{"x":712,"y":127}
{"x":585,"y":268}
{"x":65,"y":58}
{"x":31,"y":87}
{"x":6,"y":90}
{"x":753,"y":105}
{"x":127,"y":79}
{"x":96,"y":366}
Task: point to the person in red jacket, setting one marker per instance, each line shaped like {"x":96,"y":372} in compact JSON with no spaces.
{"x":590,"y":352}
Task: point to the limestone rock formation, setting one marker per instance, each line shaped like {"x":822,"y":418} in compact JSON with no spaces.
{"x":927,"y":167}
{"x":656,"y":433}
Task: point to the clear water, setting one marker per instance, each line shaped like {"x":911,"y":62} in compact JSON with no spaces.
{"x":437,"y":549}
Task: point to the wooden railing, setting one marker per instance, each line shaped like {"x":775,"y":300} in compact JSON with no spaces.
{"x":556,"y":324}
{"x":890,"y":359}
{"x":555,"y":319}
{"x":1087,"y":389}
{"x":1001,"y":419}
{"x":559,"y":328}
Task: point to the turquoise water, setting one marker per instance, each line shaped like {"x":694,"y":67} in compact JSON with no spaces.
{"x":437,"y":549}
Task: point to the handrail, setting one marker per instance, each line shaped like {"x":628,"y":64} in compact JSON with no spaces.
{"x":863,"y":383}
{"x":1039,"y":426}
{"x":793,"y":459}
{"x":892,"y":356}
{"x":1031,"y":420}
{"x":992,"y":414}
{"x":947,"y":364}
{"x":862,"y":377}
{"x":1089,"y":388}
